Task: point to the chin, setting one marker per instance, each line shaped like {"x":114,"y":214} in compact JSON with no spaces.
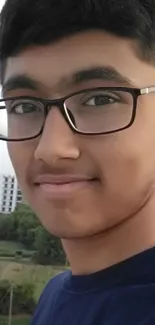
{"x":68,"y":229}
{"x":71,"y":222}
{"x":65,"y":232}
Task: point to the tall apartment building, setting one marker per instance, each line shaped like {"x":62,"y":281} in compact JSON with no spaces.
{"x":10,"y":193}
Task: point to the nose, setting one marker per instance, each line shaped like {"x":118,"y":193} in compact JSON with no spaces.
{"x":57,"y":141}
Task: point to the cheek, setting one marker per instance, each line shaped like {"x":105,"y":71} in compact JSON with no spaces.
{"x":125,"y":162}
{"x":21,"y":155}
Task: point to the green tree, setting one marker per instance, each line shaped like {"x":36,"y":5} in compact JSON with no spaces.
{"x":49,"y":249}
{"x":23,"y":226}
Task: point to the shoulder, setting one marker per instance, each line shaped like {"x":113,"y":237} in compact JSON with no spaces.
{"x":54,"y":286}
{"x":57,"y":281}
{"x":48,"y":298}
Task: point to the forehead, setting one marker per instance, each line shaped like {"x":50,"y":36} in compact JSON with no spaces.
{"x":54,"y":62}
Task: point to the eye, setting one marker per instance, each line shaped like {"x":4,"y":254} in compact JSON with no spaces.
{"x":20,"y":107}
{"x":23,"y":108}
{"x":101,"y":100}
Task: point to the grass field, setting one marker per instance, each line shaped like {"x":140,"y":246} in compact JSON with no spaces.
{"x":15,"y":321}
{"x":18,"y":271}
{"x":21,"y":271}
{"x":10,"y":246}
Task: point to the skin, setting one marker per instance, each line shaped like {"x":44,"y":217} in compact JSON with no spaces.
{"x":113,"y":218}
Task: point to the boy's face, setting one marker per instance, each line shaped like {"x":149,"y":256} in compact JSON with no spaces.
{"x":115,"y":172}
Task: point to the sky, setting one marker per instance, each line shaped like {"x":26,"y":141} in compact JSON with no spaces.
{"x":5,"y":163}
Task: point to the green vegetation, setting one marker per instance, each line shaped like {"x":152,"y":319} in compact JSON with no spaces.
{"x":35,"y":243}
{"x":20,"y":320}
{"x":29,"y":257}
{"x":23,"y":301}
{"x":29,"y":281}
{"x":8,"y":246}
{"x":14,"y":250}
{"x":23,"y":273}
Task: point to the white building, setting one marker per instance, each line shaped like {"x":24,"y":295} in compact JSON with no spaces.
{"x":10,"y":193}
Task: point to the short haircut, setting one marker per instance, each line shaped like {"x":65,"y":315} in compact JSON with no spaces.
{"x":24,"y":23}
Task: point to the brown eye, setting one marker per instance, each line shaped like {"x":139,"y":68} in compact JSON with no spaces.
{"x":100,"y":100}
{"x":24,"y":108}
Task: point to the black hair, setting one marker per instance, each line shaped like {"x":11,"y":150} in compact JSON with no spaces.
{"x":24,"y":23}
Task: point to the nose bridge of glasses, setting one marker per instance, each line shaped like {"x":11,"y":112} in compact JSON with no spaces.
{"x":55,"y":103}
{"x":54,"y":108}
{"x":60,"y":105}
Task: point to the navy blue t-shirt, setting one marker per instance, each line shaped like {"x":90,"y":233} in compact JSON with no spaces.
{"x":123,"y":294}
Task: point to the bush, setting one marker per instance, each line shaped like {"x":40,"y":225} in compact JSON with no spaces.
{"x":6,"y":254}
{"x":23,"y":298}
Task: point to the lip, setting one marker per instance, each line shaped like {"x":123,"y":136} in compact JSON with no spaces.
{"x":61,"y":186}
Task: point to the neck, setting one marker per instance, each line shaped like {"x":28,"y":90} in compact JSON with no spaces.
{"x":89,"y":255}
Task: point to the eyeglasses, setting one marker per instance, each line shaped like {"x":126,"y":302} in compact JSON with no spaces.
{"x":94,"y":111}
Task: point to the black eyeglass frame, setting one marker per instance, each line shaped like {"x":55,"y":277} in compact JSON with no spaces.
{"x":60,"y":103}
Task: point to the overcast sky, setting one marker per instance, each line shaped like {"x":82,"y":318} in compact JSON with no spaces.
{"x":5,"y":163}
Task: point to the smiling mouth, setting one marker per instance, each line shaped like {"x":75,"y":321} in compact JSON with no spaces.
{"x":61,"y":188}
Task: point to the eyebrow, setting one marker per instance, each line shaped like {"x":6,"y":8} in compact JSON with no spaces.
{"x":21,"y":81}
{"x":24,"y":81}
{"x":102,"y":73}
